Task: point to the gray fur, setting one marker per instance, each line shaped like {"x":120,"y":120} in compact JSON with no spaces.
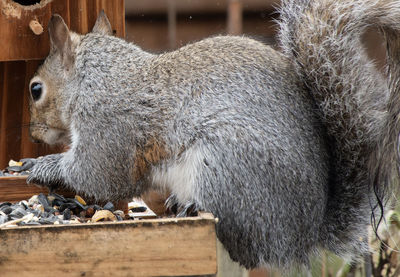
{"x":354,"y":100}
{"x":279,"y":145}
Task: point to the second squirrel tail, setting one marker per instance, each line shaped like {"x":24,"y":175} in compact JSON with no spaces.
{"x":358,"y":105}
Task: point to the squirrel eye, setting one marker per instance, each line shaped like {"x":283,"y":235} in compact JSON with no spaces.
{"x":36,"y":90}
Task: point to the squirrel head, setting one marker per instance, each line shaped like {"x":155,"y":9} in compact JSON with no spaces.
{"x":48,"y":88}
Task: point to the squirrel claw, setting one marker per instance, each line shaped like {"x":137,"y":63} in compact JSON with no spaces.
{"x":45,"y":173}
{"x":180,"y":210}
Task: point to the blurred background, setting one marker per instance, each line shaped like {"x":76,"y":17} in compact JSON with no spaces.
{"x":161,"y":25}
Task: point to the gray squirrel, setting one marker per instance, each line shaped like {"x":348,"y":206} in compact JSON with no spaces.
{"x":285,"y":148}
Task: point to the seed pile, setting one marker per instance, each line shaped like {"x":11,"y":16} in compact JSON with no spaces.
{"x":18,"y":168}
{"x":56,"y":209}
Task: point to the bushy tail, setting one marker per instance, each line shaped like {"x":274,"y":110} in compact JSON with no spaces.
{"x":359,"y":106}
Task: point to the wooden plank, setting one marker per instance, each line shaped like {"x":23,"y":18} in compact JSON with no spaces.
{"x":114,"y":12}
{"x":20,"y":43}
{"x":79,"y":12}
{"x":84,"y":13}
{"x":162,"y":247}
{"x":62,"y":10}
{"x":11,"y":110}
{"x":3,"y":113}
{"x":14,"y":189}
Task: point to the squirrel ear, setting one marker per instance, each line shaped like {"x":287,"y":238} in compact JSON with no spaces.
{"x":102,"y":25}
{"x":60,"y":39}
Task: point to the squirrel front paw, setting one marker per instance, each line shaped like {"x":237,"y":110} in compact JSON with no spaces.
{"x":46,"y":172}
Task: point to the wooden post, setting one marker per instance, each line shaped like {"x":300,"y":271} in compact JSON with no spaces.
{"x":171,"y":24}
{"x":235,"y":17}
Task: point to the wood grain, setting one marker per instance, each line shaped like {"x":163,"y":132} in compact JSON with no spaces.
{"x":20,"y":43}
{"x":11,"y":109}
{"x":14,"y":189}
{"x":162,"y":247}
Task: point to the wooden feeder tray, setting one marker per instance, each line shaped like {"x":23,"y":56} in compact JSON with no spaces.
{"x":147,"y":247}
{"x":15,"y":188}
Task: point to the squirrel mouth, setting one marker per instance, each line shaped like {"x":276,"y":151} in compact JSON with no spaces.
{"x":57,"y":136}
{"x":41,"y":133}
{"x":35,"y":140}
